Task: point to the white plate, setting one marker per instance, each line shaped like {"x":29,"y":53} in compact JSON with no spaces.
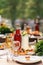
{"x":22,"y":59}
{"x":3,"y":52}
{"x":2,"y":36}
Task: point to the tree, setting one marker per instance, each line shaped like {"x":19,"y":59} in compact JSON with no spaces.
{"x":35,"y":8}
{"x":14,"y":9}
{"x":3,"y":7}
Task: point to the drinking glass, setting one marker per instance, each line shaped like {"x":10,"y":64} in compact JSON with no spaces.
{"x":15,"y":47}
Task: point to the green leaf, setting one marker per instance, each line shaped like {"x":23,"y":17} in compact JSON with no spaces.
{"x":39,"y":48}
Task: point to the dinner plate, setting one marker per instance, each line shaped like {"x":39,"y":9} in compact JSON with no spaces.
{"x":2,"y":36}
{"x":3,"y":52}
{"x":23,"y":60}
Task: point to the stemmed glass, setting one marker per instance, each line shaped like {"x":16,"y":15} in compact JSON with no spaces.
{"x":13,"y":51}
{"x":15,"y":47}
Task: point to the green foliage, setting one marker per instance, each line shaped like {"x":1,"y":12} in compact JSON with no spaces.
{"x":4,"y":30}
{"x":21,"y":8}
{"x":39,"y":48}
{"x":4,"y":8}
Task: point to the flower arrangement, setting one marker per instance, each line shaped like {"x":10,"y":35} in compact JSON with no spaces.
{"x":4,"y":29}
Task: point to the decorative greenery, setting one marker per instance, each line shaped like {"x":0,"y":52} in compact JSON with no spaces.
{"x":39,"y":48}
{"x":4,"y":30}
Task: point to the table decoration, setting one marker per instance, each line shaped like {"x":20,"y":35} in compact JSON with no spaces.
{"x":39,"y":48}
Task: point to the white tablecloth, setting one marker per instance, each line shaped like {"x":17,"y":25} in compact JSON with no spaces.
{"x":4,"y":58}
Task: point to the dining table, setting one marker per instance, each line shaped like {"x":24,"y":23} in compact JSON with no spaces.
{"x":4,"y":62}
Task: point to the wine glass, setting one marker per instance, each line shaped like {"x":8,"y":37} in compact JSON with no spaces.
{"x":15,"y":47}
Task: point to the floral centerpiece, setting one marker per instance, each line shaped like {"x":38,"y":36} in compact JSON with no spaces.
{"x":4,"y":29}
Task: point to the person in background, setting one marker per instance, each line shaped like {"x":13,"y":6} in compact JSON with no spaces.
{"x":37,"y":27}
{"x":31,"y":24}
{"x":23,"y":22}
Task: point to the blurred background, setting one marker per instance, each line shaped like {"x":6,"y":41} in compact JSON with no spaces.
{"x":19,"y":13}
